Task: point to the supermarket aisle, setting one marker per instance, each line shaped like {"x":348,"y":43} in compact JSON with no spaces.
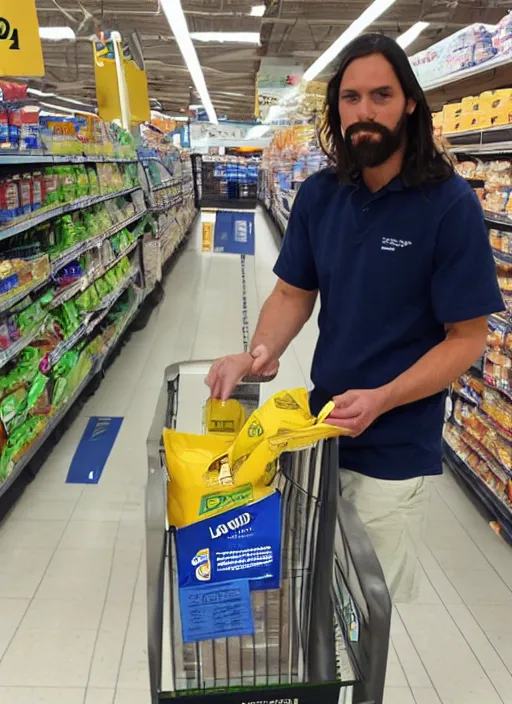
{"x":72,"y":570}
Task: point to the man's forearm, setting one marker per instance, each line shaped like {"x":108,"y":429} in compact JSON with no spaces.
{"x":434,"y":372}
{"x":281,"y":319}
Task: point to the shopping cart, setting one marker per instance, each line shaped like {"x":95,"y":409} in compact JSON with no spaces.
{"x":323,"y":637}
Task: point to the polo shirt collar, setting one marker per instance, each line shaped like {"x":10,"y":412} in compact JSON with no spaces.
{"x":397,"y":184}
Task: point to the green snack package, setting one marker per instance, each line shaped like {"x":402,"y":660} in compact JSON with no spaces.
{"x":37,"y":388}
{"x":95,"y":297}
{"x":59,"y":395}
{"x":124,"y":240}
{"x":94,"y":186}
{"x":30,"y":318}
{"x":67,"y":183}
{"x":69,"y":317}
{"x":66,"y":363}
{"x":51,"y":187}
{"x":65,"y":230}
{"x":111,"y":279}
{"x":102,"y":288}
{"x":81,"y":233}
{"x":47,"y":298}
{"x":82,"y":181}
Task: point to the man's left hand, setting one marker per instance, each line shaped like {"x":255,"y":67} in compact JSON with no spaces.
{"x":357,"y":410}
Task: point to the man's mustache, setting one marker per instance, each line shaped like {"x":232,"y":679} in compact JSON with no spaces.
{"x":369,"y":127}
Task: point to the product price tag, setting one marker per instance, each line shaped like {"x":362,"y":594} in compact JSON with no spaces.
{"x":244,"y":543}
{"x":21,"y":53}
{"x":213,"y":611}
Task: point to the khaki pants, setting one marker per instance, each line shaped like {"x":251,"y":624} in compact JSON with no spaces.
{"x":394,"y":515}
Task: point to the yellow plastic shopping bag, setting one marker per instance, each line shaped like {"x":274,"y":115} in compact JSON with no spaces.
{"x":210,"y":474}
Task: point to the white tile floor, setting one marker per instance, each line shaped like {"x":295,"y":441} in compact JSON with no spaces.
{"x":72,"y":569}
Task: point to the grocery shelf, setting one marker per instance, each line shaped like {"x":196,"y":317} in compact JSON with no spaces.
{"x":502,"y":256}
{"x":166,"y":206}
{"x":492,"y":140}
{"x":73,"y":252}
{"x":13,"y":158}
{"x":498,"y":219}
{"x":85,"y":281}
{"x":41,"y":216}
{"x":165,"y":184}
{"x":20,"y":465}
{"x":92,"y":320}
{"x":500,"y":511}
{"x":494,"y":73}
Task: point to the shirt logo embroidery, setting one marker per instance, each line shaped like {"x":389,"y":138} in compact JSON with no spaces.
{"x":389,"y":244}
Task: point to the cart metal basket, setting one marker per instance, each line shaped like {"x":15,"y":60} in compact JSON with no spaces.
{"x":323,"y":636}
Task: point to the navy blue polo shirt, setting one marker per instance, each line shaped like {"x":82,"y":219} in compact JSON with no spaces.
{"x":391,"y":267}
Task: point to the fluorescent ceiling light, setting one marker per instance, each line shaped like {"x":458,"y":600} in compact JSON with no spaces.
{"x":41,"y":94}
{"x":257,"y":132}
{"x":411,"y":34}
{"x":57,"y":33}
{"x":257,"y":10}
{"x":67,"y":111}
{"x":232,"y":37}
{"x":375,"y":10}
{"x":177,"y":22}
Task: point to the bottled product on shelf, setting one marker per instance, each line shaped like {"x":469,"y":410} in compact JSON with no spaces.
{"x":74,"y":272}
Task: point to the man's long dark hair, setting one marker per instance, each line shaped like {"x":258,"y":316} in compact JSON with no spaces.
{"x":423,"y":162}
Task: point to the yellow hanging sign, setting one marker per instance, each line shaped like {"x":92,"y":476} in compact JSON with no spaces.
{"x":107,"y":87}
{"x":21,"y":53}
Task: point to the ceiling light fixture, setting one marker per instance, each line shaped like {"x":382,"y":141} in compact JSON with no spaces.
{"x":57,"y":33}
{"x":66,"y":111}
{"x":230,"y":37}
{"x":258,"y":10}
{"x":41,"y":94}
{"x":176,"y":18}
{"x":257,"y":132}
{"x":375,"y":10}
{"x":408,"y":37}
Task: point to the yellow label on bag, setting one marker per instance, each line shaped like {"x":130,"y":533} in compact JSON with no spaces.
{"x":210,"y":474}
{"x":224,"y":416}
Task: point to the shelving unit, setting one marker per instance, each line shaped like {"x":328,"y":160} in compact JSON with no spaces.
{"x":478,"y":448}
{"x":493,"y":74}
{"x":30,"y":221}
{"x":147,"y":213}
{"x":23,"y":158}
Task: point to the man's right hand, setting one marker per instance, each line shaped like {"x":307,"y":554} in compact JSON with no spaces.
{"x":227,"y":372}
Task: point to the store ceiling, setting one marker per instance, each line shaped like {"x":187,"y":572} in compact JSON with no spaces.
{"x":298,"y":29}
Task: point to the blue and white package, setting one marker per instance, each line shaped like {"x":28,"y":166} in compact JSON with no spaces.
{"x":241,"y":544}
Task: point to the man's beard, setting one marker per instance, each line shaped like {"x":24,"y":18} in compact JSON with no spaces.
{"x":368,"y":152}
